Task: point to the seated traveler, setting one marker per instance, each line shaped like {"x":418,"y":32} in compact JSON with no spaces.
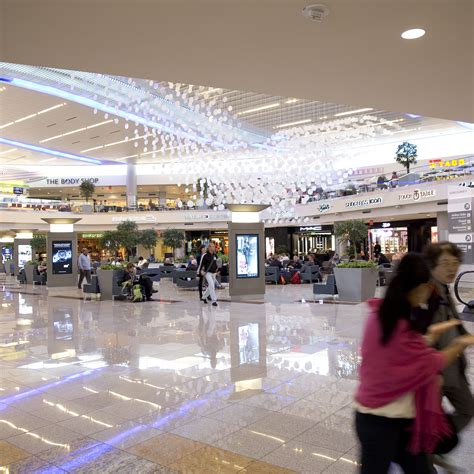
{"x":143,"y":280}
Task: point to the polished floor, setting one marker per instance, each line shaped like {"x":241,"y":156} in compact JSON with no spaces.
{"x":175,"y":386}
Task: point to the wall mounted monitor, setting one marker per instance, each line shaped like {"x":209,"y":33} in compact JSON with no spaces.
{"x":24,"y":254}
{"x":247,"y":253}
{"x":62,"y":257}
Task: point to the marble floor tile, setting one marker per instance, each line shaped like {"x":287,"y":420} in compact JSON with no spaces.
{"x":269,"y":401}
{"x":126,"y":435}
{"x":14,"y":422}
{"x":28,"y":466}
{"x":10,"y":453}
{"x":212,"y":460}
{"x":58,"y":455}
{"x":165,"y":449}
{"x":308,"y":410}
{"x":92,"y":422}
{"x":248,"y":443}
{"x":282,"y":425}
{"x":260,"y":467}
{"x":142,"y":466}
{"x":234,"y":415}
{"x":302,"y":457}
{"x":339,"y":437}
{"x":206,"y":430}
{"x":44,"y":438}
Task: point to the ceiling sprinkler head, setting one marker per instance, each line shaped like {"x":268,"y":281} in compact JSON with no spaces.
{"x":316,"y":12}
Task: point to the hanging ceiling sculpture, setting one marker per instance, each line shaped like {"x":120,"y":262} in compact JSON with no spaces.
{"x":219,"y":152}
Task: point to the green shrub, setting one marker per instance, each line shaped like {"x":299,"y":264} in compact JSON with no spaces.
{"x":358,"y":264}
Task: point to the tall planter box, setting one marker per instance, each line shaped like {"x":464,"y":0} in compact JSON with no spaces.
{"x":108,"y":282}
{"x":29,"y":269}
{"x":356,"y":284}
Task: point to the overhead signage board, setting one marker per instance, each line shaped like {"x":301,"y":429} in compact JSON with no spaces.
{"x":65,"y":181}
{"x":139,"y":218}
{"x":417,"y":194}
{"x":206,"y":216}
{"x":460,"y":206}
{"x":364,"y":202}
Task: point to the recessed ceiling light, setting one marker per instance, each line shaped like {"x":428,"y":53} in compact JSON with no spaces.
{"x":414,"y":33}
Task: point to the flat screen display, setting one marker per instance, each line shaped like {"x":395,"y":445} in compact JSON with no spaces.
{"x":24,"y":254}
{"x":6,"y":254}
{"x":62,"y":257}
{"x":247,"y":255}
{"x":249,"y":350}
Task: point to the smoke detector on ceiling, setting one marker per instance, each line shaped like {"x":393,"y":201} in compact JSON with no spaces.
{"x":317,"y":12}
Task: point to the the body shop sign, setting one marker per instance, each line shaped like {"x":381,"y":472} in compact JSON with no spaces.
{"x":62,"y":181}
{"x":417,"y":194}
{"x":364,"y":202}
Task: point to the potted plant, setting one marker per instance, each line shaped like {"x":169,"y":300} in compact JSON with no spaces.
{"x":148,"y":239}
{"x":87,"y":190}
{"x":406,"y":155}
{"x":128,"y":236}
{"x":356,"y":281}
{"x":109,"y":276}
{"x":173,"y":238}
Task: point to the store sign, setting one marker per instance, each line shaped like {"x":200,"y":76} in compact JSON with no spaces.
{"x":98,"y":235}
{"x":417,"y":194}
{"x":324,"y":207}
{"x":446,"y":164}
{"x":311,"y":228}
{"x":364,"y":202}
{"x":386,"y":224}
{"x":142,"y":218}
{"x":76,"y":181}
{"x":205,"y":217}
{"x":367,"y":171}
{"x":17,"y":190}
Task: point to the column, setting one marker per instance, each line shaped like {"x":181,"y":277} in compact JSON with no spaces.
{"x":131,"y":186}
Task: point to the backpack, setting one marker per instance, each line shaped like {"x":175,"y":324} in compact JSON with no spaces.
{"x":295,"y":279}
{"x":137,"y":295}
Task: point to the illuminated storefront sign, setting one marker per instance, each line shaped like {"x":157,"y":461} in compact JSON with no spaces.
{"x":98,"y":235}
{"x":324,"y":207}
{"x":417,"y":194}
{"x":364,"y":202}
{"x":446,"y":164}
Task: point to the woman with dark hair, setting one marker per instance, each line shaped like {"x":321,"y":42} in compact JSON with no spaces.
{"x":399,"y":416}
{"x":444,"y":260}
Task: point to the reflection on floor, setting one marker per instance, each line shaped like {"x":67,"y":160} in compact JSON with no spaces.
{"x":178,"y":386}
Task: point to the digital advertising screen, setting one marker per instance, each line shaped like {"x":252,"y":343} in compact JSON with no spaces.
{"x":62,"y":257}
{"x":7,"y":253}
{"x":24,"y":254}
{"x":247,"y":255}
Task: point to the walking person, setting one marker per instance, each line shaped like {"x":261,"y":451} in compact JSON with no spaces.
{"x":208,"y":268}
{"x":85,"y":268}
{"x":201,"y":253}
{"x":399,"y":417}
{"x":444,"y":260}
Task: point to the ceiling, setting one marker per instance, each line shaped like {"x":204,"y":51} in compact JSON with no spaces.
{"x":66,"y":125}
{"x":355,"y":56}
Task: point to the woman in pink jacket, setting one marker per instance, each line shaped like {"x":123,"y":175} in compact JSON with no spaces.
{"x":398,"y":406}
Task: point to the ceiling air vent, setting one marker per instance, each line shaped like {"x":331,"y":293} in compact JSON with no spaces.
{"x":316,"y":12}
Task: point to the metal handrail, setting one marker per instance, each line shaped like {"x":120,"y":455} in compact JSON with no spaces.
{"x":456,"y":289}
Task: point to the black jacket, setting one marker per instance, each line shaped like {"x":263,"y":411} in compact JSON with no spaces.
{"x":208,"y":263}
